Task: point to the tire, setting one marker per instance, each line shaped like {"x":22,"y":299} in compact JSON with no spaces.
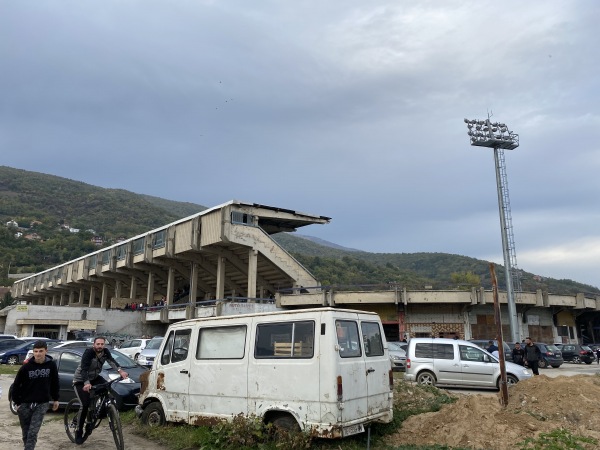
{"x":12,"y":360}
{"x":70,"y":418}
{"x":153,"y":415}
{"x":135,"y":358}
{"x":12,"y":405}
{"x":511,"y":380}
{"x":286,"y":423}
{"x":542,"y":364}
{"x":556,"y":367}
{"x":114,"y":422}
{"x":576,"y":360}
{"x":588,"y":362}
{"x":426,"y":379}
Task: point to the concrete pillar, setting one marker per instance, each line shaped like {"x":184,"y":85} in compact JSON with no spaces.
{"x":133,"y":290}
{"x":92,"y":296}
{"x":71,"y":297}
{"x":193,"y":283}
{"x":63,"y":299}
{"x":150,"y":293}
{"x":220,"y":294}
{"x":47,"y":300}
{"x":104,"y":297}
{"x":170,"y":286}
{"x":81,"y":296}
{"x":252,"y":272}
{"x":118,"y":288}
{"x":54,"y":300}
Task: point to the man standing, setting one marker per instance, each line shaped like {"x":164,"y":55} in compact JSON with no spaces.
{"x":492,"y":347}
{"x":532,"y":355}
{"x":518,"y":354}
{"x":88,"y":375}
{"x":35,"y":384}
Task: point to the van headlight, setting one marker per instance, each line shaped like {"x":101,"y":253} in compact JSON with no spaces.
{"x":395,"y":357}
{"x":526,"y":372}
{"x":141,"y":359}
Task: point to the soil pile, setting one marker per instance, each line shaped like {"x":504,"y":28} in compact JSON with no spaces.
{"x":538,"y":405}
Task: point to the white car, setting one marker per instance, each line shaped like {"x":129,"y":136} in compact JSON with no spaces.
{"x":62,"y":345}
{"x":133,"y":347}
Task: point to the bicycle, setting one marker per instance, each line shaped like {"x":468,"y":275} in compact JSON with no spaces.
{"x":102,"y":404}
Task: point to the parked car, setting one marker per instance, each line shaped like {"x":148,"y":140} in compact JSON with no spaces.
{"x":62,"y":344}
{"x":148,"y":355}
{"x":10,"y":343}
{"x":16,"y":355}
{"x":67,"y":360}
{"x":551,"y":355}
{"x":397,"y":356}
{"x":577,"y":353}
{"x":485,"y":343}
{"x":133,"y":347}
{"x":432,"y":361}
{"x":7,"y":336}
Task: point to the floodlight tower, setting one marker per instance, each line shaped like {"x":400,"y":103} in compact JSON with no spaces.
{"x":484,"y":133}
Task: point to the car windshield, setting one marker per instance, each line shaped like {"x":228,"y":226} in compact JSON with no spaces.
{"x":122,"y":360}
{"x":552,"y":348}
{"x":12,"y":343}
{"x":586,"y":348}
{"x":154,"y":344}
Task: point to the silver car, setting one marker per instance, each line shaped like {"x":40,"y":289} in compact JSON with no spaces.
{"x":147,"y":356}
{"x":397,"y":356}
{"x":432,"y":361}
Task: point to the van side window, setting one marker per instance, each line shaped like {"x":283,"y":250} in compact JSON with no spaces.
{"x":347,"y":338}
{"x":285,"y":340}
{"x":176,"y":348}
{"x":372,"y":338}
{"x":221,"y":343}
{"x":439,"y":351}
{"x":472,"y":354}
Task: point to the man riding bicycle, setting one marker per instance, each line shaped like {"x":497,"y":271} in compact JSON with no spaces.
{"x":88,"y":375}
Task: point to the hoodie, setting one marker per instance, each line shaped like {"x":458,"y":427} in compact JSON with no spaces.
{"x":36,"y":383}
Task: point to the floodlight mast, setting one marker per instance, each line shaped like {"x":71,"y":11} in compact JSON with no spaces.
{"x":483,"y":133}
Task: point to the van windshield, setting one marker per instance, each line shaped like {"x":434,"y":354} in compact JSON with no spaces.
{"x":154,"y":344}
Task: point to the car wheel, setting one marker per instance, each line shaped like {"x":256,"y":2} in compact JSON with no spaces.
{"x":13,"y":360}
{"x":153,"y":415}
{"x":426,"y":379}
{"x":12,"y":405}
{"x":135,"y":358}
{"x":588,"y":362}
{"x":555,"y":367}
{"x":542,"y":364}
{"x":286,"y":423}
{"x":576,"y":360}
{"x":511,"y":380}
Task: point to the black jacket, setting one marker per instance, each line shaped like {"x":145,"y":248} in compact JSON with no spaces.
{"x":532,"y":353}
{"x":518,"y":355}
{"x":91,"y":365}
{"x":36,"y":383}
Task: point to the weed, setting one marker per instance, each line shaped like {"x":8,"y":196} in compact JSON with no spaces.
{"x":559,"y":439}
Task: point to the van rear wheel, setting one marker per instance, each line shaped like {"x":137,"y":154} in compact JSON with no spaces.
{"x":286,"y":423}
{"x":153,"y":415}
{"x":426,"y":379}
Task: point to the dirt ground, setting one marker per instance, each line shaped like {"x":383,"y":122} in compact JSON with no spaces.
{"x":52,"y":434}
{"x":538,"y":405}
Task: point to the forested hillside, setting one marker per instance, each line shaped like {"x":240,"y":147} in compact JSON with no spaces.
{"x":47,"y":209}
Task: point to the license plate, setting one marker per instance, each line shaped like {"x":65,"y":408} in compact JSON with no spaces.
{"x":353,"y":429}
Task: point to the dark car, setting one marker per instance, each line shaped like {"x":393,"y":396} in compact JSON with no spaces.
{"x":17,"y":354}
{"x":10,"y":343}
{"x":485,"y":343}
{"x":577,"y":353}
{"x":550,"y":355}
{"x":67,"y":360}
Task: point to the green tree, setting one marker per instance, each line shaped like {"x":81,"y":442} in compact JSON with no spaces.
{"x":465,"y":280}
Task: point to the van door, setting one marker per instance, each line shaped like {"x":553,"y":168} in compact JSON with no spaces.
{"x":477,"y":366}
{"x":173,"y":374}
{"x":377,"y":368}
{"x":352,"y":367}
{"x":219,"y":373}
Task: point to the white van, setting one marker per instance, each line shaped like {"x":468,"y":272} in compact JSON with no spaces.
{"x":325,"y":370}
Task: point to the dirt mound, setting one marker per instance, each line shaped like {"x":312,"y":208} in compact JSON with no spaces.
{"x":540,"y":404}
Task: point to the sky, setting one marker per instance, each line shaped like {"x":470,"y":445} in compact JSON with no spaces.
{"x":348,"y":109}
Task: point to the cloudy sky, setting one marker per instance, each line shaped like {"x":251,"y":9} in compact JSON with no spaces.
{"x":347,"y":109}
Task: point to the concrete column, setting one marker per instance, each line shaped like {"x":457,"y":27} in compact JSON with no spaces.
{"x":63,"y":299}
{"x":71,"y":297}
{"x":220,"y":294}
{"x":193,"y":283}
{"x":118,"y":289}
{"x":133,"y":290}
{"x":47,"y":300}
{"x":104,"y":297}
{"x":170,"y":286}
{"x":252,"y":272}
{"x":92,"y":296}
{"x":81,"y":296}
{"x":54,"y":300}
{"x":150,"y":293}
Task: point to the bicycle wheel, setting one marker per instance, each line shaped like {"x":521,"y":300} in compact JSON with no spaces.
{"x":70,"y":418}
{"x":114,"y":422}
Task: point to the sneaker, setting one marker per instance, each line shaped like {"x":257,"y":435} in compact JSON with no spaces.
{"x":79,"y":437}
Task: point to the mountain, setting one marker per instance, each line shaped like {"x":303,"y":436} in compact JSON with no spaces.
{"x":49,"y":209}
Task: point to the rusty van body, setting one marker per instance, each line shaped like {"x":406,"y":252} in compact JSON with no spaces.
{"x":325,"y":371}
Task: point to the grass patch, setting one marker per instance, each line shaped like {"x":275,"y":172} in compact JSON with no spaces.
{"x":9,"y":370}
{"x":559,"y":439}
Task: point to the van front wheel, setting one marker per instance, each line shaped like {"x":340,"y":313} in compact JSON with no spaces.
{"x":542,"y":364}
{"x":426,"y":379}
{"x":286,"y":423}
{"x":153,"y":415}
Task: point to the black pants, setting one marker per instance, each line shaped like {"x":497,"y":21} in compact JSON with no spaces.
{"x":84,"y":401}
{"x":533,"y":365}
{"x":31,"y":416}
